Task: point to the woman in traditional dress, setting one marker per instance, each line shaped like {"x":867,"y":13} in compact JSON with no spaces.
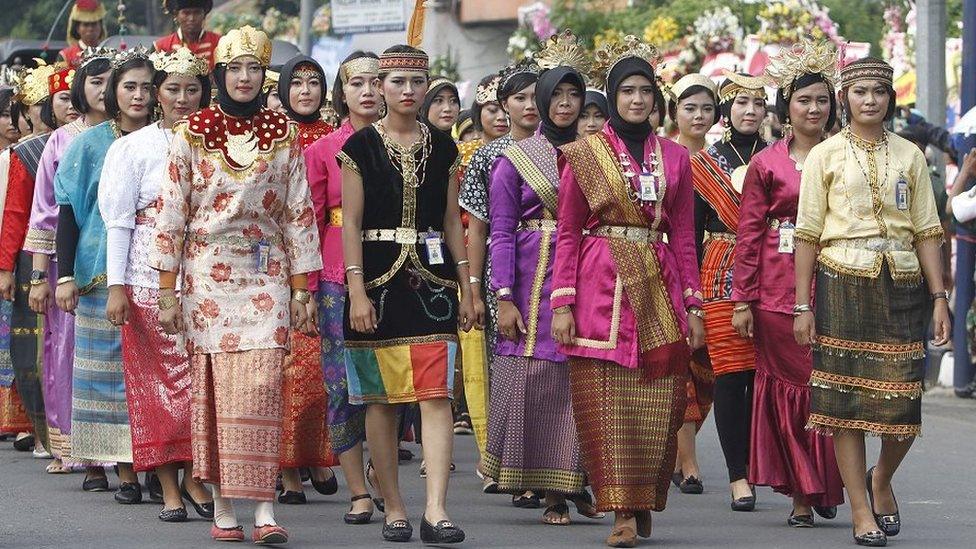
{"x":514,"y":95}
{"x":442,"y":104}
{"x":85,"y":87}
{"x":99,"y":417}
{"x":783,"y":455}
{"x":867,"y":205}
{"x":718,"y":173}
{"x":305,"y":403}
{"x":357,"y":102}
{"x":237,"y":186}
{"x":399,"y":200}
{"x":594,"y":115}
{"x":532,"y":442}
{"x":155,"y":364}
{"x":693,"y":107}
{"x":627,"y":305}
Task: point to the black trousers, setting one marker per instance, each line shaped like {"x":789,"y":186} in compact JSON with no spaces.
{"x":733,"y":419}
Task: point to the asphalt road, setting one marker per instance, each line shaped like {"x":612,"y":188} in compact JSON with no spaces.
{"x":935,"y":488}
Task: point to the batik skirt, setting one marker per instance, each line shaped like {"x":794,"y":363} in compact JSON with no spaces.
{"x":628,"y":427}
{"x":58,"y":360}
{"x":236,"y":421}
{"x":869,"y":359}
{"x":304,"y":406}
{"x":99,"y":412}
{"x":347,"y":422}
{"x":532,"y":442}
{"x":783,"y":454}
{"x":411,"y":355}
{"x":157,"y":384}
{"x":25,"y":341}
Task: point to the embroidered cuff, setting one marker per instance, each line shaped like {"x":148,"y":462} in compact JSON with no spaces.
{"x":40,"y":241}
{"x":806,"y":236}
{"x":561,"y":297}
{"x":346,"y":160}
{"x":928,"y":234}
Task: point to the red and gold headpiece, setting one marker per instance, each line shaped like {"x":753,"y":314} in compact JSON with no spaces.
{"x":412,"y":61}
{"x":61,"y":79}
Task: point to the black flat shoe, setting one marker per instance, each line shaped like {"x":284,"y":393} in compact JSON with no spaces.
{"x":292,"y":498}
{"x":800,"y":521}
{"x":173,"y":515}
{"x":95,"y":484}
{"x":398,"y":531}
{"x":404,"y":455}
{"x":154,"y":488}
{"x":676,"y":479}
{"x":205,"y":509}
{"x":443,"y":532}
{"x":358,"y":518}
{"x":874,"y":538}
{"x":129,"y":493}
{"x":826,"y":512}
{"x":326,"y":487}
{"x":378,"y":502}
{"x":889,"y":524}
{"x":745,"y":504}
{"x":691,"y":485}
{"x":532,"y":501}
{"x":25,"y":444}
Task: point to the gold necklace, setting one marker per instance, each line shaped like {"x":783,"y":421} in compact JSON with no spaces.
{"x":738,"y":175}
{"x":404,"y":158}
{"x":877,"y":188}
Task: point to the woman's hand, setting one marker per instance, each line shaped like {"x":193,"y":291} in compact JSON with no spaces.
{"x":7,"y":285}
{"x":563,"y":326}
{"x":466,"y":314}
{"x":742,"y":321}
{"x":362,"y":314}
{"x":941,"y":326}
{"x":312,"y":324}
{"x":66,"y":296}
{"x":696,"y":332}
{"x":117,"y":308}
{"x":39,"y":297}
{"x":804,"y":328}
{"x":510,"y":324}
{"x":299,"y":314}
{"x":479,"y":307}
{"x":171,"y":319}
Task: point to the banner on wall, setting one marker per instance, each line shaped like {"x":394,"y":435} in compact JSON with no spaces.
{"x":360,"y":16}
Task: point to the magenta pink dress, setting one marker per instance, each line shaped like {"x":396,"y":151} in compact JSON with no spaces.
{"x":783,"y":454}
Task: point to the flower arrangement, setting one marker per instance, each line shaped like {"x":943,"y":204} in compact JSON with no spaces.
{"x":446,"y":65}
{"x":716,"y":31}
{"x":535,"y":26}
{"x":662,"y":31}
{"x":786,"y":21}
{"x":898,"y":43}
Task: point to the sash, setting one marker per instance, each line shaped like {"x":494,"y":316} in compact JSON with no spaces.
{"x":713,"y":181}
{"x":535,"y":160}
{"x":29,"y":153}
{"x":601,"y":178}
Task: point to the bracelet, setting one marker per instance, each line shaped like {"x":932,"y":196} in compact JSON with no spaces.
{"x":354,"y":267}
{"x":696,"y":311}
{"x":800,"y":309}
{"x":356,"y":271}
{"x":503,"y":293}
{"x":462,"y":263}
{"x":562,"y":310}
{"x":64,"y":279}
{"x":944,"y":294}
{"x":301,"y":295}
{"x":474,"y":280}
{"x":167,"y":302}
{"x":741,"y":308}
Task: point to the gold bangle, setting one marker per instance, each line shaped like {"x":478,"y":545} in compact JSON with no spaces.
{"x":64,"y":279}
{"x":301,"y":295}
{"x":167,"y":302}
{"x":740,"y":309}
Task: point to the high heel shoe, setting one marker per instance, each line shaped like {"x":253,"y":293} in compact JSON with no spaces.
{"x":358,"y":518}
{"x":889,"y":524}
{"x":745,"y":504}
{"x":205,"y":509}
{"x":443,"y":532}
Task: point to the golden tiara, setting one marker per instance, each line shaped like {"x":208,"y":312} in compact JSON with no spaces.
{"x":610,"y":53}
{"x":689,"y":80}
{"x":359,"y":65}
{"x":33,"y":86}
{"x":526,"y":66}
{"x":270,"y":80}
{"x":804,"y":57}
{"x":180,"y":61}
{"x":487,"y":93}
{"x":91,"y":54}
{"x":122,"y":57}
{"x":563,"y":50}
{"x":245,"y":41}
{"x":740,"y":84}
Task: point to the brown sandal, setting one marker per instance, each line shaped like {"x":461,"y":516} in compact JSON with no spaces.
{"x":556,"y":515}
{"x":623,"y":536}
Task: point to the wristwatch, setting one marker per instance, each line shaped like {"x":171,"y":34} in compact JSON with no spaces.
{"x":301,"y":296}
{"x":167,"y":302}
{"x":38,"y":277}
{"x":697,"y":311}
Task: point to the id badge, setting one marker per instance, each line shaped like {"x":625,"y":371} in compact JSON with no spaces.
{"x":435,"y":255}
{"x":262,"y":255}
{"x":648,"y":191}
{"x":901,"y":194}
{"x":787,"y":232}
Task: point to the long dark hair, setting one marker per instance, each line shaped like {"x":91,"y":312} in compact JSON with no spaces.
{"x":203,"y":79}
{"x":92,"y":68}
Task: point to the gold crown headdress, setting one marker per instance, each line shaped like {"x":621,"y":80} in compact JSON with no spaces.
{"x":91,"y":54}
{"x":33,"y":85}
{"x":359,"y":65}
{"x":180,"y":61}
{"x":804,"y":57}
{"x":525,"y":66}
{"x":740,"y":84}
{"x":687,"y":81}
{"x":606,"y":57}
{"x":122,"y":57}
{"x":487,"y":93}
{"x":440,"y":81}
{"x":245,"y":41}
{"x":563,"y":50}
{"x":868,"y":68}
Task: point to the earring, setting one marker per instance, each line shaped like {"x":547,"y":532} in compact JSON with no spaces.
{"x":727,"y":136}
{"x":157,"y":112}
{"x":787,"y":129}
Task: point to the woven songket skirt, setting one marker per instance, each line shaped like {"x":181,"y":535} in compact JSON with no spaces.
{"x":25,"y":340}
{"x":628,"y":428}
{"x":700,"y":384}
{"x":99,"y":413}
{"x":157,"y":385}
{"x":13,"y":417}
{"x":532,"y":442}
{"x":869,"y":359}
{"x":347,"y":422}
{"x":304,"y":406}
{"x":57,"y":360}
{"x":236,"y":421}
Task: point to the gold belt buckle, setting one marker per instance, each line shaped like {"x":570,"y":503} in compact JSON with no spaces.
{"x":404,"y":235}
{"x":335,"y":217}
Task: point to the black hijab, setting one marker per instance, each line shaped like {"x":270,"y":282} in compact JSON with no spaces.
{"x":598,"y":100}
{"x":633,"y":135}
{"x":284,"y":88}
{"x":739,"y":144}
{"x":231,"y":107}
{"x":548,"y":82}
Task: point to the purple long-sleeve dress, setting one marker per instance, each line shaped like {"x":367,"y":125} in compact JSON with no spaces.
{"x":59,"y":327}
{"x":532,"y":441}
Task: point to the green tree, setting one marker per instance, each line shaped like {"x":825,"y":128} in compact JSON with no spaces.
{"x":35,"y":19}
